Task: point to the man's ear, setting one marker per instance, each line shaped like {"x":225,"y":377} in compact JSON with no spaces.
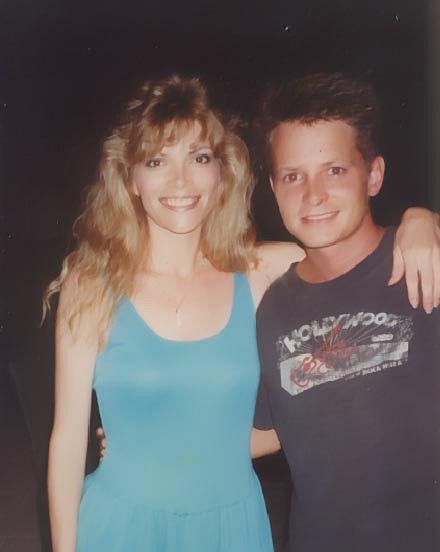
{"x":376,"y":175}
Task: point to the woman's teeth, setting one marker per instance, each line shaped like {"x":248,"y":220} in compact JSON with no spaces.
{"x":179,"y":201}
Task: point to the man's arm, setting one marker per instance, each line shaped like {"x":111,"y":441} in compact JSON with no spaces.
{"x":417,"y":255}
{"x":264,"y":442}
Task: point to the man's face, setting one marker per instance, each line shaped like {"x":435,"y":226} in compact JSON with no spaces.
{"x":321,"y":181}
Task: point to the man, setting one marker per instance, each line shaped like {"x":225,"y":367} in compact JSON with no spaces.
{"x":350,"y":371}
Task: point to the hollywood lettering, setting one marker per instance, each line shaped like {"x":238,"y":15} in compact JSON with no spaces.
{"x":342,"y":346}
{"x":319,"y":330}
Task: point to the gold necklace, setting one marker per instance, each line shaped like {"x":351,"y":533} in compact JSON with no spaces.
{"x":177,"y":307}
{"x":162,"y":290}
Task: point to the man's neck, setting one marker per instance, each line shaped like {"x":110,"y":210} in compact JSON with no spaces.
{"x":327,"y":263}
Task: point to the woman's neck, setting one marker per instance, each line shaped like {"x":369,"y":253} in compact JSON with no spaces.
{"x":174,"y":254}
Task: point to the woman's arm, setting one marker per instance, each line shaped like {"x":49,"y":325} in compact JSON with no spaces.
{"x":264,"y":442}
{"x":417,"y":255}
{"x":75,"y":360}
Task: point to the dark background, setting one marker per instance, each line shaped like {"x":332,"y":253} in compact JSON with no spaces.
{"x":65,"y":68}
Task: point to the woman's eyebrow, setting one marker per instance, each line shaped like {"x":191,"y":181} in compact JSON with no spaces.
{"x":197,"y":147}
{"x":285,"y":168}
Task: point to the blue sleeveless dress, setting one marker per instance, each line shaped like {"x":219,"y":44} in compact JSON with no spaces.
{"x":177,"y":475}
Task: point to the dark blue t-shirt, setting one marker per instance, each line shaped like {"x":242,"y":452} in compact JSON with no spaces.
{"x":351,"y":381}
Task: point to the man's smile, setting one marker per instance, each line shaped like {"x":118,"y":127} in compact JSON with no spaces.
{"x":321,"y":217}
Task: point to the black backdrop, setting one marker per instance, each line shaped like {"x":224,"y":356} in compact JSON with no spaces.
{"x":65,"y":68}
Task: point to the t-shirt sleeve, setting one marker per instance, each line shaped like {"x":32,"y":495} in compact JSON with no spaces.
{"x":263,"y":414}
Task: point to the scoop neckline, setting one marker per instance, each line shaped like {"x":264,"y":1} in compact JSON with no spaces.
{"x":218,"y":334}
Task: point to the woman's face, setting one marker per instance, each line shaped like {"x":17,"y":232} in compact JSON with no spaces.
{"x":178,"y":187}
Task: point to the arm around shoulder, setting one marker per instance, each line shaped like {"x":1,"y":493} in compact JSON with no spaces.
{"x":274,"y":259}
{"x":75,"y":355}
{"x":417,"y":255}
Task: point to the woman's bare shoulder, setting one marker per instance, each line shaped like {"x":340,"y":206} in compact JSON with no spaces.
{"x":68,"y":292}
{"x":274,"y":259}
{"x":73,"y":324}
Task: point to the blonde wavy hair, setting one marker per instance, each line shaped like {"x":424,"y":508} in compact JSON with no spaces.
{"x":112,"y":232}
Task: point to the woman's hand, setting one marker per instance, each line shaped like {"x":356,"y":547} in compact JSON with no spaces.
{"x":417,"y":255}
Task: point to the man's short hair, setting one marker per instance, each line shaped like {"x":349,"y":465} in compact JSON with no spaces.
{"x":325,"y":97}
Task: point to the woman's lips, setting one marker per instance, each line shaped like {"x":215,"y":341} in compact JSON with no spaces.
{"x":179,"y":203}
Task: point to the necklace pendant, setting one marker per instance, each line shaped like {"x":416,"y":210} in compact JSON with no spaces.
{"x":178,"y":319}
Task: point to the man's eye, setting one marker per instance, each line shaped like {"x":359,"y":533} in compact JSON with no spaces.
{"x":152,"y":163}
{"x":336,"y":171}
{"x":203,"y":158}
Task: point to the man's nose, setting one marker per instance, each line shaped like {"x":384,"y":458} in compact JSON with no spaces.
{"x":316,"y":192}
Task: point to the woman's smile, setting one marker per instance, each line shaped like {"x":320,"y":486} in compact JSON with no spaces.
{"x":180,"y":203}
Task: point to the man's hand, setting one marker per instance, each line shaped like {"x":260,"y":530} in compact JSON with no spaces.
{"x":264,"y":442}
{"x":417,"y":255}
{"x":102,"y":443}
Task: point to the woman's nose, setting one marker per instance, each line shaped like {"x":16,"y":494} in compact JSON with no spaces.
{"x":179,"y":175}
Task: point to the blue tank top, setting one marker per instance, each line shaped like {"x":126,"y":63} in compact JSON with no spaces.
{"x":177,"y":475}
{"x":178,"y":414}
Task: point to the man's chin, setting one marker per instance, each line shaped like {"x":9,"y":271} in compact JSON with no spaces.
{"x":316,"y":242}
{"x":318,"y":245}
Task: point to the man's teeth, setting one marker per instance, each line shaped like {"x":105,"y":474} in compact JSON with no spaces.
{"x":179,"y":201}
{"x":320,"y":217}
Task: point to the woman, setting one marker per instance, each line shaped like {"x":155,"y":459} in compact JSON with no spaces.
{"x":157,"y":314}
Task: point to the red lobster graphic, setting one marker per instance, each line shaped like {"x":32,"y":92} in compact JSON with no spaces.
{"x":332,"y":349}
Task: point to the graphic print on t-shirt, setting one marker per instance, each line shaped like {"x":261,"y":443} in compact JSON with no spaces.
{"x":342,"y":347}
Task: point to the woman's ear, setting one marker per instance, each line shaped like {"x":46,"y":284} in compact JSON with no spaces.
{"x":133,"y":187}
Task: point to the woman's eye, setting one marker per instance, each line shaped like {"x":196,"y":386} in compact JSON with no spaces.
{"x":291,"y":177}
{"x":152,"y":163}
{"x":203,"y":158}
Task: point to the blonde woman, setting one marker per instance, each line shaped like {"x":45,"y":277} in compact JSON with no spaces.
{"x":156,"y":313}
